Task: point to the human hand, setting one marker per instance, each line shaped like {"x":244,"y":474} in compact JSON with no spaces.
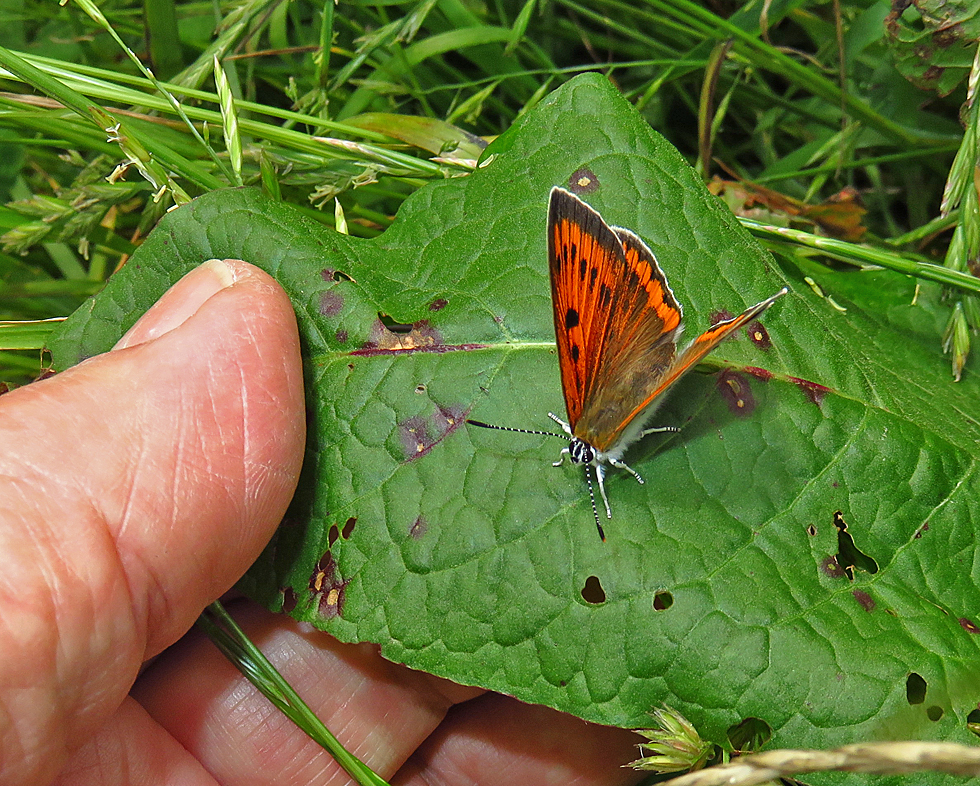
{"x":135,"y":488}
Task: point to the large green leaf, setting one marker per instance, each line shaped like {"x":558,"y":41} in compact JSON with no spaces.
{"x":464,"y":553}
{"x":934,"y":41}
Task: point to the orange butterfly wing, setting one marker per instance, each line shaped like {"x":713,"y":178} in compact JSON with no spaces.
{"x":698,"y":348}
{"x":616,"y":320}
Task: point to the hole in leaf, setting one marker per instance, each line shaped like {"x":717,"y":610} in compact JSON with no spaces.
{"x":973,"y":722}
{"x":934,"y":713}
{"x":325,"y":572}
{"x":420,"y":389}
{"x":915,"y":689}
{"x":749,"y":735}
{"x":849,"y":556}
{"x":349,"y":527}
{"x":592,"y":592}
{"x":811,"y":530}
{"x":662,"y":600}
{"x":289,"y":600}
{"x":331,"y":274}
{"x":332,"y":535}
{"x":393,"y":325}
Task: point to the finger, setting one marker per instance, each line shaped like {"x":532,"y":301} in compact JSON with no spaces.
{"x":519,"y":744}
{"x":379,"y":711}
{"x":110,"y":757}
{"x":134,"y":489}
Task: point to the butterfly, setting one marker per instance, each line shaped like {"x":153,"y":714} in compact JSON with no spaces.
{"x":617,"y":325}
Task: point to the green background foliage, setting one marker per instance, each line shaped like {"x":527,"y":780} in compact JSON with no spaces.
{"x":468,"y":558}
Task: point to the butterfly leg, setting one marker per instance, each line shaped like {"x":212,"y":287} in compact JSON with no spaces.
{"x":561,"y":457}
{"x":595,"y":513}
{"x":658,"y":430}
{"x":620,"y":465}
{"x":562,"y":423}
{"x":600,"y":474}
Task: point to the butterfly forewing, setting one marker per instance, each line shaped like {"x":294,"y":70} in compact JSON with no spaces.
{"x":584,"y":257}
{"x":616,"y":319}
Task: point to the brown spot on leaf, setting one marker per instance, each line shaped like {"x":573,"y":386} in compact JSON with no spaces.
{"x":721,"y":315}
{"x":812,"y":390}
{"x":735,"y":390}
{"x":331,"y":303}
{"x":830,"y":567}
{"x":332,"y":601}
{"x":326,"y":583}
{"x":419,"y":336}
{"x":968,"y":625}
{"x":583,"y":181}
{"x":947,"y":36}
{"x":419,"y":527}
{"x":341,"y":336}
{"x":448,"y":419}
{"x":759,"y":335}
{"x":759,"y":373}
{"x":415,"y":437}
{"x":865,"y":600}
{"x":439,"y":304}
{"x":419,"y":435}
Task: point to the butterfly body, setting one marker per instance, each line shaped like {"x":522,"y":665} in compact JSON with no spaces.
{"x":617,"y":325}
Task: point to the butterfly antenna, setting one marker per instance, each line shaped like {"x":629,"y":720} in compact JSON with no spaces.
{"x":481,"y":424}
{"x":595,"y":511}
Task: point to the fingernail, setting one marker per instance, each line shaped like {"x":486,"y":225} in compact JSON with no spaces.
{"x":180,"y":302}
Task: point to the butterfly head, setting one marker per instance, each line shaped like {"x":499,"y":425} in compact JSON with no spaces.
{"x":581,"y":452}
